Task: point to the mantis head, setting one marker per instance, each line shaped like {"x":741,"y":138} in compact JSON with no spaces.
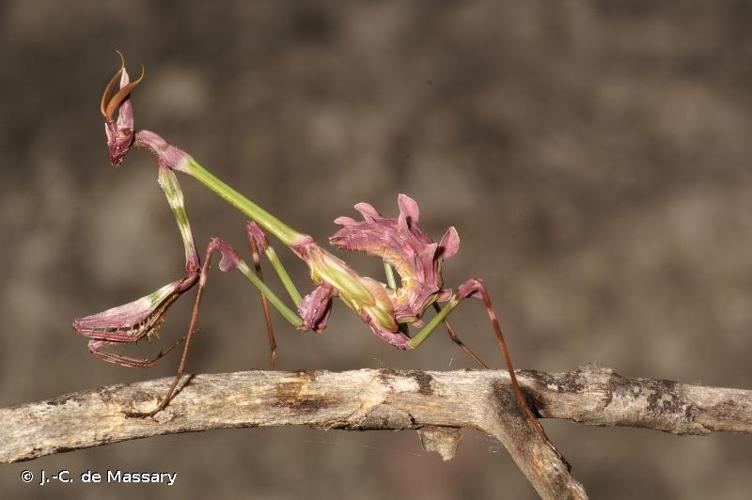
{"x":115,"y":101}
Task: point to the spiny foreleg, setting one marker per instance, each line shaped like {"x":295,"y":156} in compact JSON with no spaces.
{"x":314,"y":308}
{"x":130,"y":322}
{"x":228,"y":262}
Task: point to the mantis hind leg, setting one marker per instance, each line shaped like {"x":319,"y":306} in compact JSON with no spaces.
{"x":456,"y":339}
{"x":392,"y":283}
{"x":477,"y":289}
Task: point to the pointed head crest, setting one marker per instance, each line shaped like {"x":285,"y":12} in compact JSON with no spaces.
{"x":115,"y":100}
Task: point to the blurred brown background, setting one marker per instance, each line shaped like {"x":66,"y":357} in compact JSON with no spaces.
{"x":594,"y":157}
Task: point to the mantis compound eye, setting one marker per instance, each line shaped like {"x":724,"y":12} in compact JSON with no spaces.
{"x":120,"y":132}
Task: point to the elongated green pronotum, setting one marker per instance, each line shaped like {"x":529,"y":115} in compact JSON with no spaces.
{"x":412,"y":262}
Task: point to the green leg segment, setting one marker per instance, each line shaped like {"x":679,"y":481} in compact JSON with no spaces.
{"x":283,"y":275}
{"x":429,"y":328}
{"x":392,"y":283}
{"x":170,"y":185}
{"x":477,"y":289}
{"x":275,"y":301}
{"x":168,"y":181}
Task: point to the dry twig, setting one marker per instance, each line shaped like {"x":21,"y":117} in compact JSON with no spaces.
{"x":435,"y":403}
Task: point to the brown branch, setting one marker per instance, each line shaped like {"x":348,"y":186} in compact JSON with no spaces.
{"x":436,"y":404}
{"x":599,"y":396}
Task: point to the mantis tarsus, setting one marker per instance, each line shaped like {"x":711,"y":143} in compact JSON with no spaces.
{"x":387,"y":309}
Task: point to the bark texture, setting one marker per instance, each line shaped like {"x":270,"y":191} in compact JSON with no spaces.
{"x":436,"y":404}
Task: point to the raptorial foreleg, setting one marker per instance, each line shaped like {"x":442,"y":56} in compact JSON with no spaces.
{"x":130,"y":322}
{"x":229,"y":261}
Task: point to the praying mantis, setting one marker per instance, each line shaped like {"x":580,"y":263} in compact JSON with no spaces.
{"x":388,"y":309}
